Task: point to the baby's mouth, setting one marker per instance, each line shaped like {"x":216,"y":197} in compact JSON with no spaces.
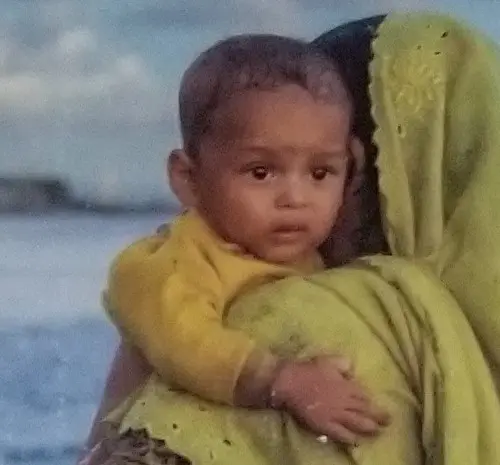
{"x":289,"y":232}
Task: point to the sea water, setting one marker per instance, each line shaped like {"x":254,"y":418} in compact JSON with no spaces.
{"x":55,"y":343}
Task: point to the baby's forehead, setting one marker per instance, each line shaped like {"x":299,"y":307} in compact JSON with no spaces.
{"x":280,"y":152}
{"x":288,"y":116}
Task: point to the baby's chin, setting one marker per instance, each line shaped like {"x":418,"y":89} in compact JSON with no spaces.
{"x":286,"y":255}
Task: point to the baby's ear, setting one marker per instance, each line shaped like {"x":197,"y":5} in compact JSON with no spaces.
{"x":357,"y":165}
{"x":180,"y":177}
{"x":358,"y":154}
{"x":342,"y":245}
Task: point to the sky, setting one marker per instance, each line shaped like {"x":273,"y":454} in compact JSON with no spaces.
{"x":88,"y":88}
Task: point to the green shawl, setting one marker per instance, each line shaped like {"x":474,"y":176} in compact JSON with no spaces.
{"x":416,"y":324}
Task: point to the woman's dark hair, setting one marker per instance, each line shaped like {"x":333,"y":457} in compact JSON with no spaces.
{"x":349,"y":46}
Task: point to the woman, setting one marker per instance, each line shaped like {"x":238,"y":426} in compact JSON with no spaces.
{"x":410,"y":324}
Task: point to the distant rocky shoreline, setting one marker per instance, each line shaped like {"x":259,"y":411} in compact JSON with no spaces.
{"x":45,"y":195}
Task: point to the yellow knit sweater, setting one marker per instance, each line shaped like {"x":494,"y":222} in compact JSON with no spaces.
{"x":168,"y":294}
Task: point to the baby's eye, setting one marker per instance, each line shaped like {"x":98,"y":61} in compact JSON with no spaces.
{"x":319,"y":174}
{"x":260,"y":173}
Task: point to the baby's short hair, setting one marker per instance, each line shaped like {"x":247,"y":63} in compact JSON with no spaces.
{"x":253,"y":61}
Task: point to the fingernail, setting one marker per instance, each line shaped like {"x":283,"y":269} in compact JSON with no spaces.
{"x":369,"y":424}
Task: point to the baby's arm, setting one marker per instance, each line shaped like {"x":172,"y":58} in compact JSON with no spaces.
{"x":173,"y":314}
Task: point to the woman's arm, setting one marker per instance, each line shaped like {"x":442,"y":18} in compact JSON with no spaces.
{"x":128,"y":371}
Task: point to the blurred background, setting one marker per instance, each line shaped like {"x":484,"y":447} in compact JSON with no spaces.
{"x":87,"y":114}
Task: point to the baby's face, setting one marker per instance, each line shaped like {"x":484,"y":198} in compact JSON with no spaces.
{"x":271,"y":172}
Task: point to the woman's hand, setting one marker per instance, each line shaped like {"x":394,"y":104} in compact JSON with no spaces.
{"x":322,"y":394}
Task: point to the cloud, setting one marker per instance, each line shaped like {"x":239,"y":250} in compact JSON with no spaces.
{"x":74,"y":73}
{"x":230,"y":16}
{"x":79,"y":104}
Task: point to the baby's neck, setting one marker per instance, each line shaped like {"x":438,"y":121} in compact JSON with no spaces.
{"x":307,"y":263}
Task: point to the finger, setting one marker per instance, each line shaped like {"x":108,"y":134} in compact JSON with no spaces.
{"x":360,"y":406}
{"x":382,"y":417}
{"x":359,"y":424}
{"x":346,"y":368}
{"x":363,"y":403}
{"x":338,"y":363}
{"x":359,"y":394}
{"x":339,"y":433}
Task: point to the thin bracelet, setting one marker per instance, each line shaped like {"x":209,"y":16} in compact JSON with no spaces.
{"x":271,"y":401}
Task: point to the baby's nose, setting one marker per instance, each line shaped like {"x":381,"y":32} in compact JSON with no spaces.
{"x":293,"y":195}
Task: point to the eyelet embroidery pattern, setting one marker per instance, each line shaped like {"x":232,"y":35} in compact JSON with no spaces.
{"x":414,"y":81}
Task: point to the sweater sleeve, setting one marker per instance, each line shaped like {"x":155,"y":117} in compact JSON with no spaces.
{"x":173,"y":313}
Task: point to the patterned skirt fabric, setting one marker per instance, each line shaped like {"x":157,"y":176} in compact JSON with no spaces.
{"x":133,"y":447}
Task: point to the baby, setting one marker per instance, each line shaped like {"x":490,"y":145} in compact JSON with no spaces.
{"x":267,"y":151}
